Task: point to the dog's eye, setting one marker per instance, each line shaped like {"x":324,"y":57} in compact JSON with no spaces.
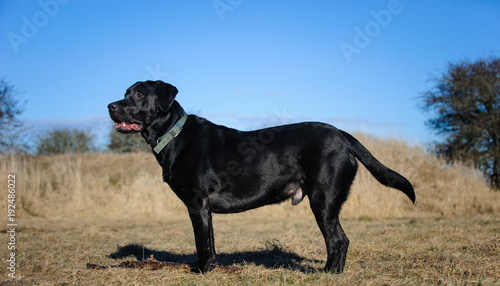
{"x":138,"y":94}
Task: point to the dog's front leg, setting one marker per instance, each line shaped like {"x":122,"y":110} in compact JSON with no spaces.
{"x":204,"y":236}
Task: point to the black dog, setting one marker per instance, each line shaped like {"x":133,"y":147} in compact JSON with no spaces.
{"x":215,"y":169}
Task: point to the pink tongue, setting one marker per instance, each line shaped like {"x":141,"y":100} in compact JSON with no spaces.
{"x":128,"y":126}
{"x":135,"y":126}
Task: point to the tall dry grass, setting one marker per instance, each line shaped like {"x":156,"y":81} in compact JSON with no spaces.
{"x":130,"y":185}
{"x":441,"y":189}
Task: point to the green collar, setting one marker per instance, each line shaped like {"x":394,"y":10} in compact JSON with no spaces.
{"x":171,"y":134}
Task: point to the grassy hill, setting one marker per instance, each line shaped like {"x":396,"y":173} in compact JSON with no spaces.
{"x":130,"y":185}
{"x":77,"y":209}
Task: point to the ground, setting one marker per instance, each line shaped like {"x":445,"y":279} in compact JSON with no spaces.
{"x":269,"y":251}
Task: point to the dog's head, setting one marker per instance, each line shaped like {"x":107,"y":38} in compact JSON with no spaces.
{"x":143,"y":102}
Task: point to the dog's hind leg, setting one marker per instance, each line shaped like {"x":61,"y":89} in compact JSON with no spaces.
{"x":335,"y":239}
{"x":326,"y":199}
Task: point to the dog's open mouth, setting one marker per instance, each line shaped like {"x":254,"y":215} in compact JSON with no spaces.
{"x":128,"y":126}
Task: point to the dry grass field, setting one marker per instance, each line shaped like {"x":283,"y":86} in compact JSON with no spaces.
{"x":77,"y":209}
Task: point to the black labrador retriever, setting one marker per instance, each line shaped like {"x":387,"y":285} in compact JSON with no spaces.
{"x":216,"y":169}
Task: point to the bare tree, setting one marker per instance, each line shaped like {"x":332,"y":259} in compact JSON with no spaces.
{"x":121,"y":143}
{"x":466,"y":103}
{"x":10,"y":109}
{"x":60,"y":141}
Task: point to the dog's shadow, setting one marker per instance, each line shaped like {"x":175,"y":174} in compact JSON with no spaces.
{"x":273,"y":256}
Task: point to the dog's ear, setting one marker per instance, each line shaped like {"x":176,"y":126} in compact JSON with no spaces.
{"x":165,"y":92}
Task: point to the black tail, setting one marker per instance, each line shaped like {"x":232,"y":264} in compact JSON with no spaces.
{"x":383,"y":174}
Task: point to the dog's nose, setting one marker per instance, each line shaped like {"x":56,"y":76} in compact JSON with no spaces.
{"x":113,"y":106}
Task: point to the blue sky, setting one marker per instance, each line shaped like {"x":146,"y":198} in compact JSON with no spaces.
{"x":359,"y":65}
